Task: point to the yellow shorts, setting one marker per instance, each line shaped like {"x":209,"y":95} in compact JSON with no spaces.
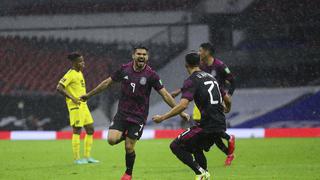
{"x":196,"y":113}
{"x":80,"y":115}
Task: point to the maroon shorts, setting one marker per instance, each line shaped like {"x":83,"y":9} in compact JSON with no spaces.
{"x":195,"y":139}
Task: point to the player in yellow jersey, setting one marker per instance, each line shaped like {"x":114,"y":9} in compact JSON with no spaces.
{"x":72,"y":86}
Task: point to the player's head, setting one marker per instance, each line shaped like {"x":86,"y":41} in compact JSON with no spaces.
{"x":192,"y":61}
{"x":140,"y":56}
{"x":77,"y":60}
{"x":206,"y":50}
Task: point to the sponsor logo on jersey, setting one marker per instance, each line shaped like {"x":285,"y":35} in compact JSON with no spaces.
{"x":143,"y":80}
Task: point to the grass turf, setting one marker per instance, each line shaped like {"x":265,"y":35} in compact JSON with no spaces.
{"x":255,"y":159}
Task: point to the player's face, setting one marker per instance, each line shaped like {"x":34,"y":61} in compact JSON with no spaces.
{"x":204,"y":54}
{"x":140,"y":58}
{"x":79,"y":63}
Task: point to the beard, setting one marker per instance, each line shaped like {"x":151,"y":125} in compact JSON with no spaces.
{"x":140,"y":62}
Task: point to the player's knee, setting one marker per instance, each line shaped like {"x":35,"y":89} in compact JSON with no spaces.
{"x":90,"y":131}
{"x":76,"y":130}
{"x":173,"y":146}
{"x":129,"y":148}
{"x":112,"y":141}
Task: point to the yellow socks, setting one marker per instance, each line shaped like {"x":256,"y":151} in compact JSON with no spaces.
{"x":76,"y":146}
{"x":88,"y":140}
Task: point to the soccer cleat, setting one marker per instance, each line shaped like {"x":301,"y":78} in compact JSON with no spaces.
{"x":203,"y":176}
{"x":229,"y":159}
{"x":231,"y":144}
{"x":207,"y":175}
{"x":126,"y":177}
{"x":91,"y":160}
{"x":81,"y":161}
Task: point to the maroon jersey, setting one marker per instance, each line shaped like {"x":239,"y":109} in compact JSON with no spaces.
{"x":204,"y":89}
{"x":221,"y":72}
{"x":135,"y":91}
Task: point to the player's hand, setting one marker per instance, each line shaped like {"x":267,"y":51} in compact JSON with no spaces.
{"x":185,"y":116}
{"x":175,"y":93}
{"x":157,"y":118}
{"x":225,"y":109}
{"x":76,"y":100}
{"x":84,"y":97}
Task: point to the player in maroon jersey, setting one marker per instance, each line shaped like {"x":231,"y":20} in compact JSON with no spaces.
{"x":137,"y":79}
{"x":226,"y":80}
{"x":213,"y":102}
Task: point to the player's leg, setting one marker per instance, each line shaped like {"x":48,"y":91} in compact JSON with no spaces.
{"x":76,"y":143}
{"x":76,"y":123}
{"x":116,"y":130}
{"x":129,"y":157}
{"x":201,"y":159}
{"x":218,"y":141}
{"x":134,"y":133}
{"x":231,"y":141}
{"x":183,"y":147}
{"x":88,"y":141}
{"x":115,"y":136}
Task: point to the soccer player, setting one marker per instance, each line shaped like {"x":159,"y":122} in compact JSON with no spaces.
{"x":204,"y":89}
{"x":137,"y":79}
{"x":214,"y":66}
{"x":72,"y":86}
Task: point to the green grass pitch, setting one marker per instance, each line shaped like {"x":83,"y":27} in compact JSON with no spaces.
{"x":256,"y":159}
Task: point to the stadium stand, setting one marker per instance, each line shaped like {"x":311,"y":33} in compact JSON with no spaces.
{"x":31,"y":68}
{"x":302,"y":112}
{"x":35,"y":65}
{"x":94,"y":6}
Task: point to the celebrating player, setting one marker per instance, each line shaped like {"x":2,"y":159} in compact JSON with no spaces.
{"x":204,"y":89}
{"x":137,"y":79}
{"x":225,"y":78}
{"x":72,"y":86}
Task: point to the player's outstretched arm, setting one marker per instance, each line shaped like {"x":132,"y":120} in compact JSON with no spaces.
{"x":102,"y":86}
{"x":61,"y":89}
{"x":175,"y":93}
{"x":173,"y":112}
{"x":166,"y":96}
{"x":227,"y":103}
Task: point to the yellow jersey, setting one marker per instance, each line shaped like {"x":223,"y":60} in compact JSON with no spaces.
{"x":74,"y":83}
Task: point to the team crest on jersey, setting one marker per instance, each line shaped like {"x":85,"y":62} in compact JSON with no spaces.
{"x":143,"y":80}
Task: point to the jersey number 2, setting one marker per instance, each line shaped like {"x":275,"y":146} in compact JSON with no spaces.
{"x":212,"y":83}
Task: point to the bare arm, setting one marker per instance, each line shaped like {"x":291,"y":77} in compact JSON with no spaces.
{"x":227,"y":103}
{"x":171,"y":102}
{"x":102,"y":86}
{"x":167,"y":97}
{"x":61,"y":89}
{"x":175,"y":93}
{"x":173,"y":112}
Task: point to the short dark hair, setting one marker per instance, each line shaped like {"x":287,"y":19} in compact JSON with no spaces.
{"x":209,"y":47}
{"x":74,"y":56}
{"x":140,"y":47}
{"x":193,"y":59}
